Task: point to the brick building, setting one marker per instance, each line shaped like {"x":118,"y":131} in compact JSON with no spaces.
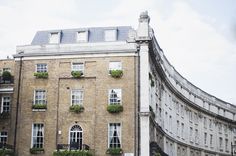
{"x":107,"y":89}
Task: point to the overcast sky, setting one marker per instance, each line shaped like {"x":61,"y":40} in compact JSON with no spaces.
{"x":197,"y":36}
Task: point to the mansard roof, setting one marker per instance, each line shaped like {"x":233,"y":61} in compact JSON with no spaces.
{"x":68,"y":36}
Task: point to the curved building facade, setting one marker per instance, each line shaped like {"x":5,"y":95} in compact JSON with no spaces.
{"x":184,"y":119}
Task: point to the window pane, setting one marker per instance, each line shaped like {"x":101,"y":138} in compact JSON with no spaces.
{"x":76,"y":137}
{"x":3,"y":137}
{"x":115,"y":66}
{"x":54,"y":38}
{"x":38,"y":135}
{"x":81,"y":36}
{"x":77,"y":97}
{"x":40,"y":97}
{"x":114,"y":137}
{"x":41,"y":68}
{"x":114,"y":96}
{"x":110,"y":35}
{"x":78,"y":67}
{"x":5,"y":106}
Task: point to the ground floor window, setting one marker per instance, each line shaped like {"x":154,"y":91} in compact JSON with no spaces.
{"x":76,"y":137}
{"x":37,"y":135}
{"x":114,"y":138}
{"x":3,"y":137}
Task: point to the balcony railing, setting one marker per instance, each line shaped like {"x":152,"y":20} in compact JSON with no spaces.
{"x":6,"y":149}
{"x":6,"y":81}
{"x":4,"y":115}
{"x":72,"y":146}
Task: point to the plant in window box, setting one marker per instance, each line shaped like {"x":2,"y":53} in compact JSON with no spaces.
{"x":6,"y":76}
{"x":35,"y":150}
{"x":6,"y":152}
{"x":115,"y":108}
{"x":39,"y":106}
{"x":77,"y":108}
{"x":76,"y":74}
{"x":41,"y":75}
{"x":116,"y":73}
{"x":114,"y":151}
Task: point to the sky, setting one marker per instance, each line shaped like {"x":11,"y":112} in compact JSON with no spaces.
{"x":197,"y":36}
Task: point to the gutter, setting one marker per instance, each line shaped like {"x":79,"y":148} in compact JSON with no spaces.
{"x":17,"y":104}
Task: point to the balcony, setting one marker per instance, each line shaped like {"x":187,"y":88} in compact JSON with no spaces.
{"x":73,"y":149}
{"x":9,"y":80}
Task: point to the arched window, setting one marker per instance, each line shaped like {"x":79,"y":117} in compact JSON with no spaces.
{"x":76,"y":137}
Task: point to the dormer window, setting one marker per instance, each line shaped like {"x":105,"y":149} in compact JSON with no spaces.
{"x":110,"y":35}
{"x":54,"y":37}
{"x":82,"y":36}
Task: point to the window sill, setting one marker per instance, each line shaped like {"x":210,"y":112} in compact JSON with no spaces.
{"x":39,"y":110}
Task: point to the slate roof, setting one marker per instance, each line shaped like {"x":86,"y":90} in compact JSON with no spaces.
{"x":95,"y":34}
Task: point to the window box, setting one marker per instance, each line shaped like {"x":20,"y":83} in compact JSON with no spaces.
{"x":39,"y":106}
{"x":4,"y":115}
{"x":41,"y":75}
{"x":76,"y":74}
{"x":114,"y":151}
{"x":74,"y":153}
{"x":7,"y":152}
{"x":115,"y":108}
{"x":77,"y":108}
{"x":116,"y":73}
{"x":36,"y":150}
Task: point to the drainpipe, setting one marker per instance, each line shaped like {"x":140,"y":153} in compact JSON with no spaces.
{"x":17,"y":102}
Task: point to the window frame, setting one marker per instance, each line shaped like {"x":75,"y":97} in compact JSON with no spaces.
{"x":2,"y":136}
{"x":2,"y":104}
{"x":109,"y":98}
{"x":45,"y":100}
{"x":32,"y":135}
{"x":107,"y":35}
{"x":80,"y":131}
{"x":80,"y":32}
{"x":79,"y":90}
{"x":120,"y":137}
{"x":42,"y":70}
{"x":58,"y":37}
{"x":78,"y":63}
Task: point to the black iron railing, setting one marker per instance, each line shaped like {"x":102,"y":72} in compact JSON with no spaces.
{"x":72,"y":146}
{"x":6,"y":81}
{"x":6,"y":146}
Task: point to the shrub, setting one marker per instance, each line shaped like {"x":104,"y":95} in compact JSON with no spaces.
{"x":72,"y":153}
{"x":42,"y":75}
{"x":76,"y":74}
{"x":36,"y":150}
{"x":114,"y":151}
{"x":6,"y":76}
{"x":77,"y":108}
{"x":39,"y":106}
{"x":6,"y":152}
{"x":115,"y":108}
{"x":116,"y":73}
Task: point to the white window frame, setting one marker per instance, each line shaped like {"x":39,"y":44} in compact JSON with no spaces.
{"x":79,"y":99}
{"x":109,"y":96}
{"x":77,"y":66}
{"x":110,"y":35}
{"x":56,"y":40}
{"x":115,"y":65}
{"x":6,"y":69}
{"x":32,"y":135}
{"x":76,"y":137}
{"x":2,"y":103}
{"x":3,"y":136}
{"x":41,"y":67}
{"x":82,"y":38}
{"x":109,"y":131}
{"x":44,"y":100}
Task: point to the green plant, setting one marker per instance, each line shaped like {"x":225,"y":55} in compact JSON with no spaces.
{"x":36,"y":150}
{"x":114,"y":108}
{"x":76,"y":74}
{"x":6,"y":152}
{"x":39,"y":106}
{"x":114,"y":151}
{"x":72,"y":153}
{"x":116,"y":73}
{"x":42,"y":75}
{"x":6,"y":76}
{"x":77,"y":108}
{"x":157,"y":154}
